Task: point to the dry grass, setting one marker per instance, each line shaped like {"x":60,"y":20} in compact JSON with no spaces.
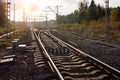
{"x":5,"y":42}
{"x":94,"y":29}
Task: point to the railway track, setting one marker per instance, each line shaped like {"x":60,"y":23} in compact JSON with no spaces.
{"x":8,"y":34}
{"x":98,"y":41}
{"x":40,"y":69}
{"x":105,"y":51}
{"x":73,"y":64}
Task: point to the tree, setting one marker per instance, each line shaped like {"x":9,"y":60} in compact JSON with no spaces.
{"x":83,"y":11}
{"x":76,"y":16}
{"x":100,"y":11}
{"x":61,"y":19}
{"x":92,"y":11}
{"x":118,"y":13}
{"x":70,"y":18}
{"x":114,"y":14}
{"x":3,"y":16}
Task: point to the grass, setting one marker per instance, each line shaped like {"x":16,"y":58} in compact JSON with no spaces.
{"x":94,"y":29}
{"x":6,"y":42}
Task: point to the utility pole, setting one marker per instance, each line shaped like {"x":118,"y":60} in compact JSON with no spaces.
{"x":57,"y":13}
{"x":46,"y":20}
{"x":8,"y":15}
{"x":14,"y":20}
{"x":107,"y":32}
{"x":46,"y":17}
{"x":34,"y":22}
{"x":23,"y":17}
{"x":26,"y":19}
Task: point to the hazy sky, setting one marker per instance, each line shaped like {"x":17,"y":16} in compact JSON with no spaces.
{"x":36,"y":7}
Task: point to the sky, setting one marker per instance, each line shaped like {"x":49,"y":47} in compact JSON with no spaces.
{"x":37,"y":8}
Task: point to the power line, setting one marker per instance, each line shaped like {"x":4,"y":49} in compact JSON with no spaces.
{"x":56,"y":11}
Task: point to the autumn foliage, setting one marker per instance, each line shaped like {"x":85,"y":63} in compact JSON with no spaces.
{"x":90,"y":20}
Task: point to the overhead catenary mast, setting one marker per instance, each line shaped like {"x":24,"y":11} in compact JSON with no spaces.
{"x":56,"y":11}
{"x":8,"y":15}
{"x":24,"y":19}
{"x":14,"y":20}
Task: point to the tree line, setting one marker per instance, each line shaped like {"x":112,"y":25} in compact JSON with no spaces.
{"x":3,"y":13}
{"x":89,"y":13}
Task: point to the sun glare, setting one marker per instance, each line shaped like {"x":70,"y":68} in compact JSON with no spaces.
{"x":26,"y":5}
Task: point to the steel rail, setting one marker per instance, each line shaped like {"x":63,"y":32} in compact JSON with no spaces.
{"x":49,"y":58}
{"x":115,"y":71}
{"x":96,"y":41}
{"x":7,"y":34}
